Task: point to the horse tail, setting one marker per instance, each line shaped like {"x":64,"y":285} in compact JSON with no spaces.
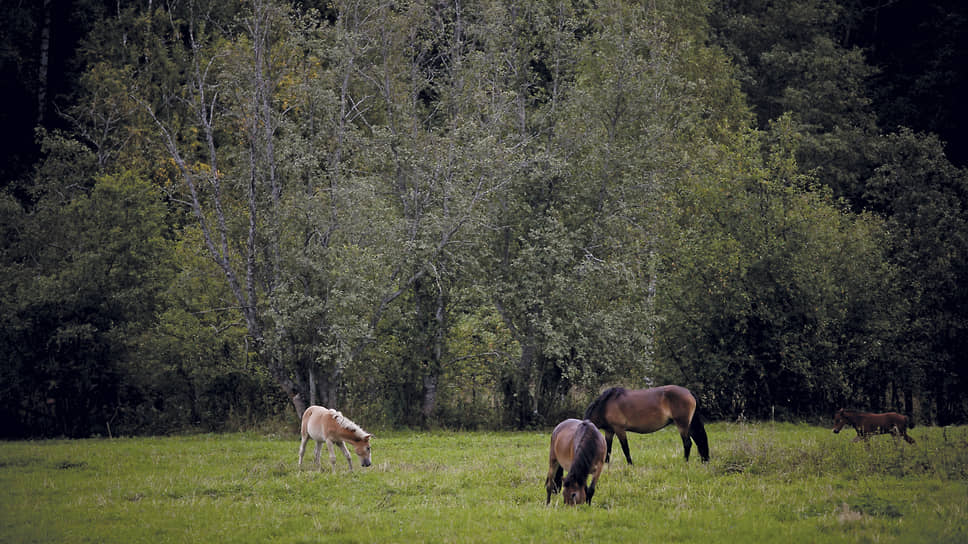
{"x":909,"y":421}
{"x":304,"y":421}
{"x":596,"y":410}
{"x":697,"y":431}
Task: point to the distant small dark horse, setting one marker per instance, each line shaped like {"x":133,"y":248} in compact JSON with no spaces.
{"x":867,"y":424}
{"x":618,"y":410}
{"x":578,"y":447}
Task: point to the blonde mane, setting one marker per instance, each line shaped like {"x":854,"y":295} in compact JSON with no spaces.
{"x":347,"y":424}
{"x":325,"y":425}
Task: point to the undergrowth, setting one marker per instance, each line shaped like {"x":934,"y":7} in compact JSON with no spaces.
{"x":782,"y":450}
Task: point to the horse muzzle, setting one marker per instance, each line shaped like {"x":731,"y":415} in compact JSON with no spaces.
{"x":366,"y":462}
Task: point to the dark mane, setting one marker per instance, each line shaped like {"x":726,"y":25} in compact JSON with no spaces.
{"x":596,"y":410}
{"x":585,"y":452}
{"x":852,"y":413}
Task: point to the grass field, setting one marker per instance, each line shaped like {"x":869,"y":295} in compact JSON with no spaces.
{"x":766,"y":483}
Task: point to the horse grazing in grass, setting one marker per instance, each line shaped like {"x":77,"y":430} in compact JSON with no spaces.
{"x":618,"y":410}
{"x":867,"y":424}
{"x":578,"y":447}
{"x":323,"y":424}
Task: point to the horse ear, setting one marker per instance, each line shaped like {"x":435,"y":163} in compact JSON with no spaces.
{"x":368,"y":437}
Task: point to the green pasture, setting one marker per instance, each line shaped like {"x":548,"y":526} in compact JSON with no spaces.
{"x":766,"y":483}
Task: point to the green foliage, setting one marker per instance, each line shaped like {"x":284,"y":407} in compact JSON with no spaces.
{"x":768,"y":292}
{"x":791,"y":60}
{"x":86,"y":272}
{"x":194,"y":366}
{"x":473,"y":214}
{"x":572,"y":263}
{"x":796,"y":59}
{"x":925,"y":200}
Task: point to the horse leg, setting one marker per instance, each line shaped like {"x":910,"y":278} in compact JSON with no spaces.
{"x":346,"y":452}
{"x":686,"y":441}
{"x":302,"y":449}
{"x":625,"y":445}
{"x":316,"y":452}
{"x":608,"y":445}
{"x":332,"y":454}
{"x":697,"y":431}
{"x":553,"y":481}
{"x":591,"y":487}
{"x":896,"y":433}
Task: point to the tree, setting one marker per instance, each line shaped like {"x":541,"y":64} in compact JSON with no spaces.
{"x":438,"y":110}
{"x":406,"y":209}
{"x":572,"y":257}
{"x":770,"y":294}
{"x":917,"y":49}
{"x":85,"y":268}
{"x":792,"y":59}
{"x":805,"y":58}
{"x":925,"y":200}
{"x":233,"y":89}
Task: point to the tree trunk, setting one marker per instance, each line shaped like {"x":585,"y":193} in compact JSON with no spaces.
{"x":429,"y":395}
{"x":299,"y":404}
{"x":44,"y":62}
{"x":313,"y":396}
{"x":281,"y":376}
{"x":435,"y":348}
{"x":522,"y":404}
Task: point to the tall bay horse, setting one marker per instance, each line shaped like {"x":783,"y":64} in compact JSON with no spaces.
{"x":867,"y":424}
{"x":578,"y":447}
{"x":618,"y":410}
{"x":330,"y":426}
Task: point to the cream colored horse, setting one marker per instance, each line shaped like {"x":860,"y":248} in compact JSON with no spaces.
{"x":324,"y":424}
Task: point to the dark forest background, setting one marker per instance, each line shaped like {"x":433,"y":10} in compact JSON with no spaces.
{"x":478,"y":214}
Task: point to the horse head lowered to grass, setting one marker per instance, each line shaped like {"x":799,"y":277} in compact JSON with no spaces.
{"x":330,"y":426}
{"x":867,"y":424}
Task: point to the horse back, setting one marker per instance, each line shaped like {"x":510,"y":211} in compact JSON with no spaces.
{"x":314,"y":422}
{"x":563,"y":442}
{"x":677,"y":400}
{"x":900,"y":421}
{"x":648,"y":410}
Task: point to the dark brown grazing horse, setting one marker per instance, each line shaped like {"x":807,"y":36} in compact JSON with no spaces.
{"x":618,"y":410}
{"x":578,"y":447}
{"x":867,"y":424}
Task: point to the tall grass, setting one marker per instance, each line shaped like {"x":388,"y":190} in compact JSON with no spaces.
{"x":790,"y":483}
